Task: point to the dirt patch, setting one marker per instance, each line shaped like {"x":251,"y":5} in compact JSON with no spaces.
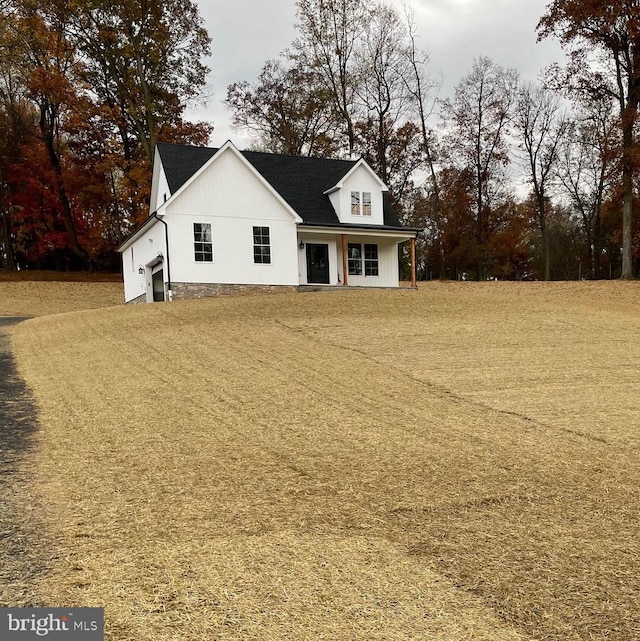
{"x":431,"y":464}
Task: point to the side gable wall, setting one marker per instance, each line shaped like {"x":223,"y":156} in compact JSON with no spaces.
{"x":230,"y":197}
{"x":159,"y":185}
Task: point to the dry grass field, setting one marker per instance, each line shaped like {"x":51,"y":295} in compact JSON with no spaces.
{"x":40,"y":298}
{"x":460,"y":462}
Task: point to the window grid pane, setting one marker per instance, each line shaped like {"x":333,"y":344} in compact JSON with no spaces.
{"x":202,"y":242}
{"x":371,"y":252}
{"x":366,"y":203}
{"x":354,"y":254}
{"x":370,"y":267}
{"x":261,"y":246}
{"x":371,"y":260}
{"x":261,"y":235}
{"x":355,"y":203}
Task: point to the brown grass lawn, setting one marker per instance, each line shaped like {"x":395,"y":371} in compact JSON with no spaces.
{"x":456,"y":463}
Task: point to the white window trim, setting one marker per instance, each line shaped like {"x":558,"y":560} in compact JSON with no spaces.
{"x":370,"y":204}
{"x":254,"y":245}
{"x":363,"y":261}
{"x":193,"y":243}
{"x":357,"y":205}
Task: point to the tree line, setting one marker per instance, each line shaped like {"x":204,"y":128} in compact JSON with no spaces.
{"x":86,"y":89}
{"x":506,"y":179}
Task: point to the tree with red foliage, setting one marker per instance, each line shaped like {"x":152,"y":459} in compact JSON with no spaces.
{"x":86,"y":91}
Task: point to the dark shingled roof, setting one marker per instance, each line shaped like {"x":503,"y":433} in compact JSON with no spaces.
{"x":300,"y":180}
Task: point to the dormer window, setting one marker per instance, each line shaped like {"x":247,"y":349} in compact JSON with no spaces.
{"x":361,"y":203}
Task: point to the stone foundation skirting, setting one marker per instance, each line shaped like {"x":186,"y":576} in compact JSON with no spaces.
{"x":204,"y":290}
{"x":139,"y":299}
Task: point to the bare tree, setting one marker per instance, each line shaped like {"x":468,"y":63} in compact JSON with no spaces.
{"x":541,"y":126}
{"x":423,"y":91}
{"x":330,"y":32}
{"x":382,"y":66}
{"x":587,"y":162}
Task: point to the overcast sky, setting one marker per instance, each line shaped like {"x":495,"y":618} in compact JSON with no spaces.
{"x":246,"y":33}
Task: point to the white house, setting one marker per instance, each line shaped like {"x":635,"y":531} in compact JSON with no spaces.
{"x":223,"y":219}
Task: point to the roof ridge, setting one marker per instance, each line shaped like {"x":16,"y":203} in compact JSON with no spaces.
{"x":263,"y":153}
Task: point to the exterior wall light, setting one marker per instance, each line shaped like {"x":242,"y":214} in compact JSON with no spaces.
{"x":140,"y":270}
{"x":301,"y":245}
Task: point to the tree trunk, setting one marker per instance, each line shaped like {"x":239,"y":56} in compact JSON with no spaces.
{"x":597,"y":248}
{"x":64,"y":199}
{"x":10,"y":261}
{"x":542,"y":221}
{"x":627,"y":210}
{"x":5,"y":229}
{"x":627,"y":184}
{"x":547,"y":253}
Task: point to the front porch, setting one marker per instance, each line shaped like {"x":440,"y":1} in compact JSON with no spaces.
{"x":353,"y":258}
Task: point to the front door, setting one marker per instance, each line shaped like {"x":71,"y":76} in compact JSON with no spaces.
{"x":317,"y":263}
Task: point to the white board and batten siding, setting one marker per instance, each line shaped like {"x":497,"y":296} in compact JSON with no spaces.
{"x":160,"y":191}
{"x":233,"y":200}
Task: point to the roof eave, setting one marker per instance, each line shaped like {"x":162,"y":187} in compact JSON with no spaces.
{"x":383,"y":229}
{"x":136,"y":233}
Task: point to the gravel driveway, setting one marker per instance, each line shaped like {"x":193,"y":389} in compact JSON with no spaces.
{"x":21,"y":546}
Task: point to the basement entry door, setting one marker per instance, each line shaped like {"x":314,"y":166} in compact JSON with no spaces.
{"x":158,"y":286}
{"x":317,"y":263}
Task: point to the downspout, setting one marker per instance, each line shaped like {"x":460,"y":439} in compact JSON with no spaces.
{"x":166,"y":243}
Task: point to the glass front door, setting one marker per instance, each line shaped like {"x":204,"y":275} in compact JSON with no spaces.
{"x":317,"y":263}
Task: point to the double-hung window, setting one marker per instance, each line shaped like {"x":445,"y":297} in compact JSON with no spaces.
{"x":357,"y":256}
{"x":366,"y":203}
{"x":202,"y":242}
{"x":261,"y":246}
{"x":355,"y":203}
